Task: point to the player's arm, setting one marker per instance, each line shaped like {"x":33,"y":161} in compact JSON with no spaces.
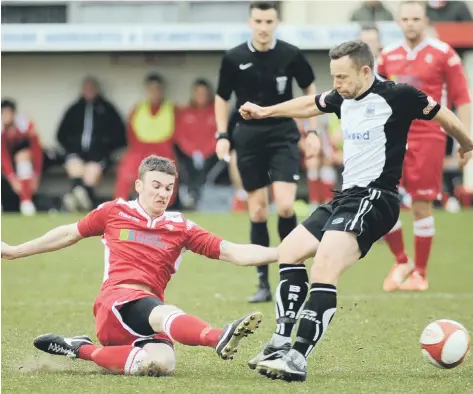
{"x":247,"y":254}
{"x":305,"y":78}
{"x":454,"y":127}
{"x":63,"y":236}
{"x":225,"y":88}
{"x":301,"y":107}
{"x":207,"y":244}
{"x":457,"y":87}
{"x":58,"y":238}
{"x":421,"y":106}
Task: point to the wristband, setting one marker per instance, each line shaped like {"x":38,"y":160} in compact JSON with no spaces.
{"x":222,"y":135}
{"x":313,"y":131}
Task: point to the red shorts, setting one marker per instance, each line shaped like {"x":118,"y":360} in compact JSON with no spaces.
{"x":109,"y":325}
{"x":423,"y":168}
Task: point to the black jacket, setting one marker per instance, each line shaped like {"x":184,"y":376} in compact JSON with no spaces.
{"x":108,"y":130}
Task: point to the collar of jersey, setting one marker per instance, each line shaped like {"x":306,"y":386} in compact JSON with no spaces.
{"x":252,"y":48}
{"x":364,"y":94}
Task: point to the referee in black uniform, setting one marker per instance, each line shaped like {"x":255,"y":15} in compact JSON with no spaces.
{"x":261,"y":71}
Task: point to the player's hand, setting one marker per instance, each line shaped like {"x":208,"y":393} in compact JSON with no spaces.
{"x":8,"y":251}
{"x":252,"y":111}
{"x":312,"y":145}
{"x":465,"y":154}
{"x":15,"y":185}
{"x":222,"y":149}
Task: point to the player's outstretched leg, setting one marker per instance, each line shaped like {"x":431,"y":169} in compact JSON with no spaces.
{"x":234,"y":332}
{"x":191,"y":331}
{"x":291,"y":292}
{"x":154,"y":359}
{"x":337,"y":251}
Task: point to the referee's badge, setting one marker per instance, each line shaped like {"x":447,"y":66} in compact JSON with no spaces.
{"x":370,"y":109}
{"x":281,"y":83}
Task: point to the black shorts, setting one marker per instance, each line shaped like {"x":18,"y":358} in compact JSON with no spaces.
{"x":18,"y":146}
{"x":135,"y":314}
{"x":267,"y":153}
{"x":90,"y":157}
{"x":368,"y":212}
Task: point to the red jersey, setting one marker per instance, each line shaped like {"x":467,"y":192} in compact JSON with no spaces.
{"x":195,"y":130}
{"x":433,"y":67}
{"x":144,"y":250}
{"x":21,"y":134}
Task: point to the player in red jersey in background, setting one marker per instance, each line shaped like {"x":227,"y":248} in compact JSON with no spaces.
{"x":144,"y":246}
{"x":22,"y":155}
{"x":427,"y":64}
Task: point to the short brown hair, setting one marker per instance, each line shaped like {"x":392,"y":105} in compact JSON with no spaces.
{"x":157,"y":163}
{"x":359,"y":52}
{"x":264,"y":5}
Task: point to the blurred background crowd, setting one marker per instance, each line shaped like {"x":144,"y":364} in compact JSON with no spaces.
{"x":83,"y":121}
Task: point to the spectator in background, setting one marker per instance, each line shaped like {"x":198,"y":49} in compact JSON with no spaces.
{"x":90,"y":131}
{"x":369,"y":34}
{"x":448,"y":11}
{"x":150,"y":131}
{"x":195,"y":140}
{"x":371,"y":11}
{"x":22,"y":156}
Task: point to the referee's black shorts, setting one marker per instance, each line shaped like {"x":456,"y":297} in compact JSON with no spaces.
{"x":267,"y":153}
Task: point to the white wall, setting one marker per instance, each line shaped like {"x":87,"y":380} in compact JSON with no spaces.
{"x":45,"y":85}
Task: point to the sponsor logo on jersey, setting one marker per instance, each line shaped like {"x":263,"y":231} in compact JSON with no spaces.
{"x":129,"y":217}
{"x":430,"y":106}
{"x":395,"y":57}
{"x":143,"y":238}
{"x":281,"y":83}
{"x":351,"y":136}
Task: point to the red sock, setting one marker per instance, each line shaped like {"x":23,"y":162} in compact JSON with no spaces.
{"x":327,"y":194}
{"x":314,"y":190}
{"x":395,"y":241}
{"x":117,"y":359}
{"x":25,"y":194}
{"x":190,"y":330}
{"x":424,"y":231}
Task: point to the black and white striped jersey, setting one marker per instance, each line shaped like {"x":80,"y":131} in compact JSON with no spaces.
{"x":375,"y":127}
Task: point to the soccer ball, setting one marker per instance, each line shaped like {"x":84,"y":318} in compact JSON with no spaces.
{"x":445,"y":343}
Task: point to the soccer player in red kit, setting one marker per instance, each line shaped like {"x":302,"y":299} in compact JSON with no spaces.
{"x":22,"y":155}
{"x":429,"y":65}
{"x":144,"y":246}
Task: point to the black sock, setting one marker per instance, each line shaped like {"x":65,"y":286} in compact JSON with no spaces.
{"x":290,"y":297}
{"x":260,"y":236}
{"x":315,"y":317}
{"x":77,"y":182}
{"x":286,"y":225}
{"x":91,"y":193}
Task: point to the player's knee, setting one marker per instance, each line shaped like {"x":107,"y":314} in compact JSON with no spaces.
{"x":422,"y":209}
{"x":259,"y":212}
{"x":161,"y":317}
{"x":285,"y":210}
{"x":325,"y":268}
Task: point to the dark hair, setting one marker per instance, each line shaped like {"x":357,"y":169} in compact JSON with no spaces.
{"x":264,"y":5}
{"x":203,"y":82}
{"x":7,"y":103}
{"x":154,"y":78}
{"x":369,"y":27}
{"x":157,"y":163}
{"x":359,"y":52}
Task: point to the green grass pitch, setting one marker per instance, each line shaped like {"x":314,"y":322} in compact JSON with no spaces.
{"x":371,"y":346}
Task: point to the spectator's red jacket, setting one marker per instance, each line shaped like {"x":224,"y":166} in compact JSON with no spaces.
{"x":20,"y":135}
{"x":195,"y":130}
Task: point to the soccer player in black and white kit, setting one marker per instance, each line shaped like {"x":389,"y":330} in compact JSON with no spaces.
{"x":262,"y":71}
{"x":375,"y":118}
